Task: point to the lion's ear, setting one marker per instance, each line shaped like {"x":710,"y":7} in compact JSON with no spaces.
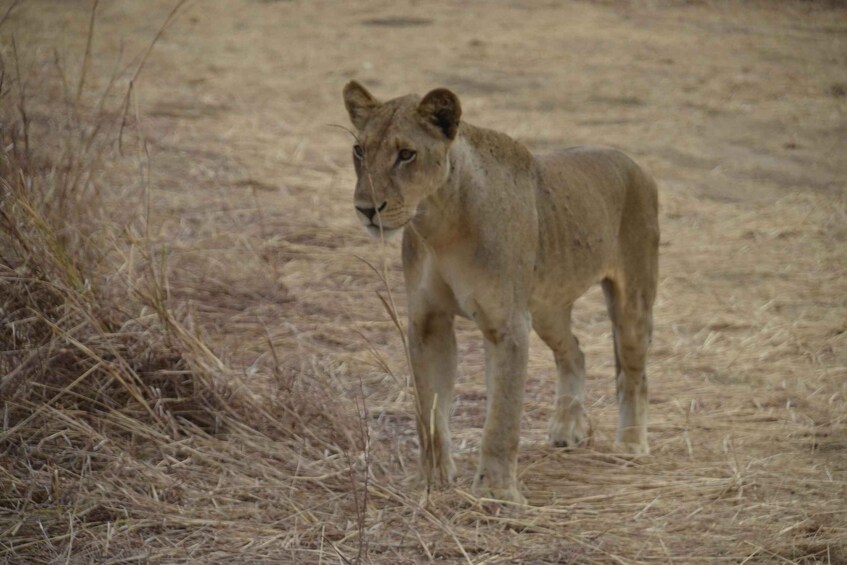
{"x":441,"y":109}
{"x":359,"y":102}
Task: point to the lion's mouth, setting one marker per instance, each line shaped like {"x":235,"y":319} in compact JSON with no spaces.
{"x":386,"y":232}
{"x":379,"y":231}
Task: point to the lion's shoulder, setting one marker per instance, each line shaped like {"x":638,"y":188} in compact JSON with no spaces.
{"x":496,"y":150}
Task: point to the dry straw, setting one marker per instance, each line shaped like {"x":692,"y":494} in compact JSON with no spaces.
{"x":124,"y":437}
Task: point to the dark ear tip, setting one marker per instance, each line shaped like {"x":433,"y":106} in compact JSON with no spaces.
{"x":443,"y":94}
{"x":353,"y":90}
{"x":441,"y":108}
{"x":443,"y":98}
{"x":352,"y":85}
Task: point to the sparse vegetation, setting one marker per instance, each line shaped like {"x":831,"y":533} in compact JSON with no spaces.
{"x":123,"y":435}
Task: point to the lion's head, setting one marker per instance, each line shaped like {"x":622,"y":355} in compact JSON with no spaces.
{"x":401,"y":153}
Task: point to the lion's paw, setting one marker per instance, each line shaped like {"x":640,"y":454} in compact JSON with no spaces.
{"x":495,"y":481}
{"x":442,"y":473}
{"x":508,"y":493}
{"x":569,"y":426}
{"x":632,"y":447}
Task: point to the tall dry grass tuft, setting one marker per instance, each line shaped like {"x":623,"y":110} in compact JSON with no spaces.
{"x":123,"y":436}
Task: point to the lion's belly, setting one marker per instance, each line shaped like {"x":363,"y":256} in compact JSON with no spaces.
{"x":560,"y":281}
{"x":577,"y":248}
{"x":579,"y":202}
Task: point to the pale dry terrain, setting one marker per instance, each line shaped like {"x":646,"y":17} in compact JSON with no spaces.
{"x":739,"y":109}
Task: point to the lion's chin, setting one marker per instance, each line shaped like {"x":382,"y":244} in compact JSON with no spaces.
{"x":384,"y":233}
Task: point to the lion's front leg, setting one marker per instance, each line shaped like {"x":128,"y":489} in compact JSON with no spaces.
{"x":506,"y":348}
{"x":432,"y":347}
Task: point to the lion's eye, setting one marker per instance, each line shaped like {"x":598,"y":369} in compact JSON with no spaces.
{"x":405,"y":155}
{"x":358,"y":152}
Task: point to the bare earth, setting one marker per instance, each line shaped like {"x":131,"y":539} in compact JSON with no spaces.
{"x":739,"y":110}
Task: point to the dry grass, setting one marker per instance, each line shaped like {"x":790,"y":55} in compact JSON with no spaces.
{"x":117,"y":417}
{"x":195,"y":367}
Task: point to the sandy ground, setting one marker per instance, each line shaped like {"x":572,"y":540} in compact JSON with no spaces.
{"x":739,"y":109}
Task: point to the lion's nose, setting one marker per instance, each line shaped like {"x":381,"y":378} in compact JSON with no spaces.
{"x":370,"y":212}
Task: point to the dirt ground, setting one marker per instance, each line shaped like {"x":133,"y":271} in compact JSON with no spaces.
{"x":739,"y":109}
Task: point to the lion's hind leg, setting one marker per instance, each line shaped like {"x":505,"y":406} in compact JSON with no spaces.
{"x":568,"y":424}
{"x":631,"y":311}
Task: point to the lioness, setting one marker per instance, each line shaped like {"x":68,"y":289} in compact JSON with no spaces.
{"x":509,"y":240}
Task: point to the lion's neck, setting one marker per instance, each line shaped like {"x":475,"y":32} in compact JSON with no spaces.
{"x":443,"y":216}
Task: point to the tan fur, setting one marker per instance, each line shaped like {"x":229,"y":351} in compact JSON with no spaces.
{"x":510,"y":241}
